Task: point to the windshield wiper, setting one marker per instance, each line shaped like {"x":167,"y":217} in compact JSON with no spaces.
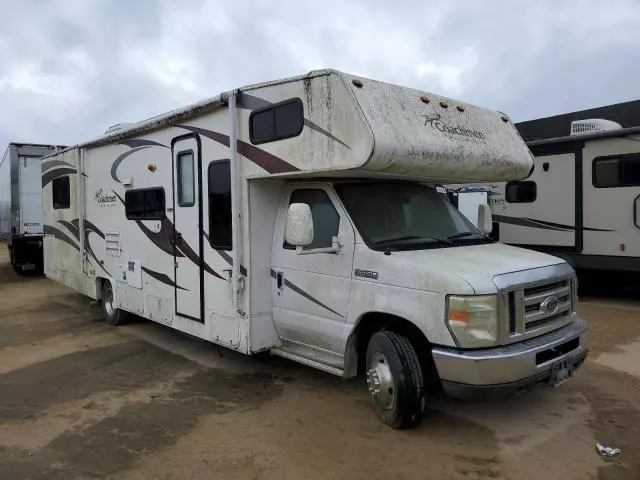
{"x":468,"y":234}
{"x":402,"y":238}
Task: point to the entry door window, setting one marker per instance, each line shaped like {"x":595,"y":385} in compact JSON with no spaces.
{"x":326,"y":220}
{"x":186,"y":180}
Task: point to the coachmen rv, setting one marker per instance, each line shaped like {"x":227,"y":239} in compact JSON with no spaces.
{"x":21,"y":203}
{"x":299,"y":217}
{"x":582,"y":201}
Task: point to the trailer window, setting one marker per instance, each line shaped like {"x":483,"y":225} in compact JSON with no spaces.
{"x":521,"y":192}
{"x":186,"y":179}
{"x":220,"y":216}
{"x":276,"y":122}
{"x":144,"y":204}
{"x":618,"y":171}
{"x":61,"y":193}
{"x":326,"y":219}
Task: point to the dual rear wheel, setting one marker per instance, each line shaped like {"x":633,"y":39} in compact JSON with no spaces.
{"x":112,"y":314}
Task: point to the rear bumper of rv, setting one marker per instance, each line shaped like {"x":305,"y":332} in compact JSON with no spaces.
{"x":26,"y":250}
{"x":549,"y":358}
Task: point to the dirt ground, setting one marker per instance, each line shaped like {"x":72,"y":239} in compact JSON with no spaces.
{"x":81,"y":399}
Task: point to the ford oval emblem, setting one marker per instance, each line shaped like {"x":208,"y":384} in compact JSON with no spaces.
{"x":550,"y":304}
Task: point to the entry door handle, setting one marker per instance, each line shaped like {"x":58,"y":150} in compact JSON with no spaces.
{"x":279,"y":280}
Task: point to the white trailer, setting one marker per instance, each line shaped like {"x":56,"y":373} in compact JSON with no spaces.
{"x":298,"y":217}
{"x":582,"y":200}
{"x":21,"y":203}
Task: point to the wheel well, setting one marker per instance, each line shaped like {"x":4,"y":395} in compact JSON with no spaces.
{"x":99,"y":284}
{"x":374,"y":322}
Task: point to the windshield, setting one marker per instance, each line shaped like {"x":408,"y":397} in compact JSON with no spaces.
{"x":406,"y":216}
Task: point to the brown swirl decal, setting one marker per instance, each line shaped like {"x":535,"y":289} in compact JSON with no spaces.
{"x":263,"y":159}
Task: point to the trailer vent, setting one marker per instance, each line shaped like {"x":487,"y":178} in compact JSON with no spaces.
{"x":112,"y":243}
{"x":582,"y":127}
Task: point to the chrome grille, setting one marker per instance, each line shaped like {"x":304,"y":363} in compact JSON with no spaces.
{"x":539,"y":305}
{"x":545,"y":303}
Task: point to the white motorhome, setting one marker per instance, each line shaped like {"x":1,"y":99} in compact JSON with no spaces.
{"x":21,"y":203}
{"x":299,"y":217}
{"x":581,"y":202}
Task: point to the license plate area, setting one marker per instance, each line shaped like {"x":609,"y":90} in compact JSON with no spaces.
{"x":561,"y":371}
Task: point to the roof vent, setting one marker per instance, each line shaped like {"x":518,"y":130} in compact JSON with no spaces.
{"x":582,"y":127}
{"x":116,"y":127}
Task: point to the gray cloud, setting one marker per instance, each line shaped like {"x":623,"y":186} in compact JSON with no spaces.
{"x":69,"y":69}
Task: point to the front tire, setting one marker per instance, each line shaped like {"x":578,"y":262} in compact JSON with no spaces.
{"x":395,"y":380}
{"x":112,"y":315}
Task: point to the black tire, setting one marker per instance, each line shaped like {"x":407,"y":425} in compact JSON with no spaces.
{"x":112,"y":315}
{"x":398,"y":401}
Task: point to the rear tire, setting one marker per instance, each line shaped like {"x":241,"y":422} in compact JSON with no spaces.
{"x":112,"y":315}
{"x":16,"y":268}
{"x":395,"y":380}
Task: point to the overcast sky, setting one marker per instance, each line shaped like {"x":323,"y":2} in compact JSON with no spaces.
{"x":71,"y":68}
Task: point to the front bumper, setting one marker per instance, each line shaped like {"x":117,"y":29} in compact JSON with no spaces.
{"x":504,"y":370}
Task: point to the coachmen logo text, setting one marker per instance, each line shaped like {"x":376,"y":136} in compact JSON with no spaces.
{"x":104,"y":199}
{"x":436,"y":122}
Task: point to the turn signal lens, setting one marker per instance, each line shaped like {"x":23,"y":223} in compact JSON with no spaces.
{"x":473,"y":320}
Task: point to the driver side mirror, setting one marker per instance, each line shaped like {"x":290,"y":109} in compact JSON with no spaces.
{"x":298,"y":230}
{"x":485,"y":218}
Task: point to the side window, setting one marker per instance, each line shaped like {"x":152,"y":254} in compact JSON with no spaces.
{"x":220,"y":216}
{"x":144,"y":204}
{"x":276,"y":122}
{"x":61,"y":193}
{"x":326,"y":220}
{"x":619,"y":171}
{"x":521,"y":192}
{"x":186,"y":179}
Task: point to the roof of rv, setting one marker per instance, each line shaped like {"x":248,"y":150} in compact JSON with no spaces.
{"x":621,"y":132}
{"x":195,"y":109}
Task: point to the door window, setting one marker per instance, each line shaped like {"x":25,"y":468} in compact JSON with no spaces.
{"x":326,"y":220}
{"x":186,"y":180}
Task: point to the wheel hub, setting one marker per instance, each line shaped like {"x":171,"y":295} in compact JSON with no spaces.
{"x":380,"y":382}
{"x":108,"y":303}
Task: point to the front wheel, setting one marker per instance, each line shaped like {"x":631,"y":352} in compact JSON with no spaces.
{"x":112,"y":315}
{"x":395,"y":380}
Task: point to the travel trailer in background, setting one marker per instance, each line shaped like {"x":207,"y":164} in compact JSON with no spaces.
{"x":300,"y":217}
{"x":582,"y":200}
{"x":21,"y":202}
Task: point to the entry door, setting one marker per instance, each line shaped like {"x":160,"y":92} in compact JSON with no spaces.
{"x":311,"y":292}
{"x":187,"y":218}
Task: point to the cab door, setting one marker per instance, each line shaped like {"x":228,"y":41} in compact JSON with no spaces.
{"x":311,"y":291}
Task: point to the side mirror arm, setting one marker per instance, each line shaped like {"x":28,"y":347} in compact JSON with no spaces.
{"x":334,"y":248}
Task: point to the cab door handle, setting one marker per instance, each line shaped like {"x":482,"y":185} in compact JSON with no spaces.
{"x":279,"y":280}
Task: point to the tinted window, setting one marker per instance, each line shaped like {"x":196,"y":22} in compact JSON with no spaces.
{"x":276,"y":122}
{"x":186,"y":180}
{"x":61,"y":193}
{"x":326,"y":220}
{"x":521,"y":192}
{"x":144,"y":204}
{"x":620,"y":171}
{"x":403,"y":215}
{"x":220,"y":216}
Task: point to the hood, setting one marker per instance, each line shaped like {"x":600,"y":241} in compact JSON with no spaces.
{"x":458,"y":270}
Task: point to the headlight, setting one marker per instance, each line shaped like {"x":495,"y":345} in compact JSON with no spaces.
{"x":473,"y":320}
